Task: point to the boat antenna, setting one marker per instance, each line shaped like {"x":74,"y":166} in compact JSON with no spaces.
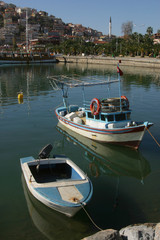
{"x":27,"y":39}
{"x":120,"y":73}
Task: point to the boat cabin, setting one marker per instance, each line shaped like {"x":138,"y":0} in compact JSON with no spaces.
{"x":109,"y":120}
{"x":106,"y":114}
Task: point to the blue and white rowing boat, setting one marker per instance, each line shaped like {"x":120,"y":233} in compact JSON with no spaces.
{"x":57,"y":182}
{"x":105,"y":120}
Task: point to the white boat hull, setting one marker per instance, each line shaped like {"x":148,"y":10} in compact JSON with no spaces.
{"x":127,"y":136}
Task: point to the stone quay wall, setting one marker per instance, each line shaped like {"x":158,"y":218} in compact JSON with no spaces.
{"x":125,"y":61}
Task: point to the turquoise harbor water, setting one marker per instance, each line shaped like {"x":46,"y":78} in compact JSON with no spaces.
{"x":126,"y":182}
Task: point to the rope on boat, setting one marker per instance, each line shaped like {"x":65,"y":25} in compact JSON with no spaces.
{"x":153,"y":137}
{"x":89,"y":216}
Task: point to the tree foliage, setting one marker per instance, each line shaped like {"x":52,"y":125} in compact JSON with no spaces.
{"x":149,"y":31}
{"x":135,"y":45}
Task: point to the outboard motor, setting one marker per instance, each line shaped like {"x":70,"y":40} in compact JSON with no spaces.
{"x":45,"y":152}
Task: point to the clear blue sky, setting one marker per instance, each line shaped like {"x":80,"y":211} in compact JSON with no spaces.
{"x":96,"y":14}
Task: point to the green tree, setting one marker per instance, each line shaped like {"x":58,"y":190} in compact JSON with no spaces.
{"x":147,"y":44}
{"x":149,"y":31}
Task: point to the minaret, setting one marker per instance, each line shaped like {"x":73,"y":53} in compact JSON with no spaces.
{"x":110,"y":28}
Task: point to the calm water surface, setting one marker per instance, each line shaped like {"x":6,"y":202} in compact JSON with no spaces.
{"x":126,"y":182}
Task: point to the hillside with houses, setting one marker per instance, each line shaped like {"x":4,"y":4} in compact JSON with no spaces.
{"x":26,"y":28}
{"x":42,"y":28}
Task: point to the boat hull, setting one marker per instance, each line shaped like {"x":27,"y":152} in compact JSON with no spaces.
{"x":27,"y":58}
{"x":68,"y":211}
{"x":27,"y":61}
{"x":128,"y":136}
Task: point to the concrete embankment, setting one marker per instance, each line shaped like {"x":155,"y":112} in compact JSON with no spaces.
{"x":125,"y":61}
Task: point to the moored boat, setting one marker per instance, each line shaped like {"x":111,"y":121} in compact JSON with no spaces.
{"x":105,"y":120}
{"x":26,"y":58}
{"x":107,"y":126}
{"x":57,"y":182}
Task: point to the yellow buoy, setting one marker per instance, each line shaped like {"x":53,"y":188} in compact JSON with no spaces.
{"x":20,"y":97}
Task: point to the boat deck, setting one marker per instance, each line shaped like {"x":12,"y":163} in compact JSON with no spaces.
{"x":82,"y":118}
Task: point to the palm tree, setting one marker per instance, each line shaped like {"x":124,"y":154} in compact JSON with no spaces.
{"x":147,"y":44}
{"x":149,"y":31}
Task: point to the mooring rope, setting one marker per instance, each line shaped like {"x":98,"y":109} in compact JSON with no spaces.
{"x":153,"y":137}
{"x":90,"y":217}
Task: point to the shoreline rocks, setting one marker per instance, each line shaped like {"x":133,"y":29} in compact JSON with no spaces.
{"x":146,"y":231}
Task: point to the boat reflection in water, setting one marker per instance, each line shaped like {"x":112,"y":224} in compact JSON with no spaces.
{"x":107,"y":159}
{"x":50,"y":223}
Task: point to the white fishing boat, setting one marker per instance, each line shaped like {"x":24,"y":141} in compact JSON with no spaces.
{"x":57,"y":182}
{"x":106,"y":120}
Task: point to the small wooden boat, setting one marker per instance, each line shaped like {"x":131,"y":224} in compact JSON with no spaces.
{"x":57,"y":182}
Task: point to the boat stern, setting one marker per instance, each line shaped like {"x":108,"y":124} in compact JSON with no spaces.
{"x":26,"y":160}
